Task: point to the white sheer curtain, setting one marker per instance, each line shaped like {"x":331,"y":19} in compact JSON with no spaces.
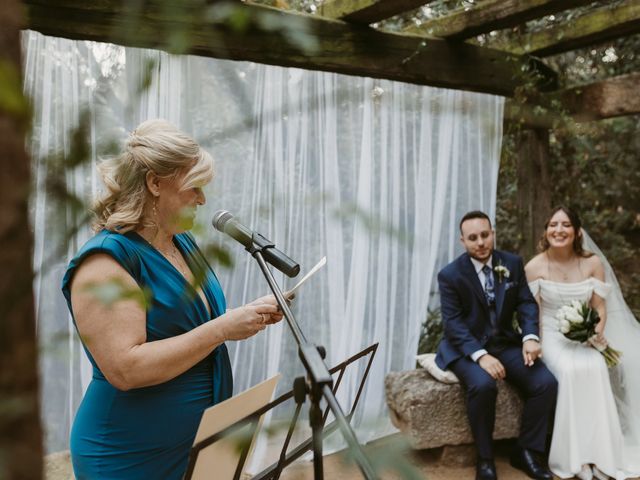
{"x":373,"y":174}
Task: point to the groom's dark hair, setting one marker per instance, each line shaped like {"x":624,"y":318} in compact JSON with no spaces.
{"x":474,"y":214}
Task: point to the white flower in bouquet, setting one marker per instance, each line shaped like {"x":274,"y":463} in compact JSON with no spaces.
{"x":562,"y":313}
{"x":569,"y":313}
{"x":574,"y":317}
{"x":577,"y":322}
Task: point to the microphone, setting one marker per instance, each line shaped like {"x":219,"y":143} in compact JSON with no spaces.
{"x":224,"y":222}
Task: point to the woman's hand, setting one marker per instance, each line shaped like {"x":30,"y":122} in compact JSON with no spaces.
{"x":267,"y":299}
{"x":600,"y":333}
{"x":246,"y":321}
{"x":598,"y":344}
{"x":531,"y":351}
{"x":271,"y":300}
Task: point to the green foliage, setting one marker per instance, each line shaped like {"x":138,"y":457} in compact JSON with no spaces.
{"x":594,"y":167}
{"x":221,"y":256}
{"x":594,"y":170}
{"x":596,"y":63}
{"x":12,"y":100}
{"x":111,"y":291}
{"x":240,"y":20}
{"x":307,"y":6}
{"x":431,"y":331}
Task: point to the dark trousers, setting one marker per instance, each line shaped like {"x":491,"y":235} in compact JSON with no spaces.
{"x":537,"y":385}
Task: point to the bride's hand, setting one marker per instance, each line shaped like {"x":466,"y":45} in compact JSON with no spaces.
{"x":598,"y":341}
{"x":600,"y":335}
{"x":530,"y":352}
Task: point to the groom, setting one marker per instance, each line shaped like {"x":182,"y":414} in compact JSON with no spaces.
{"x":479,"y":292}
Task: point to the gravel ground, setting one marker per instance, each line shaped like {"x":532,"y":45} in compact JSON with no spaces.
{"x":425,"y":462}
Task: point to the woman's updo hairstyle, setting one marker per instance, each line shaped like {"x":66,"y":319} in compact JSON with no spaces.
{"x":156,"y":146}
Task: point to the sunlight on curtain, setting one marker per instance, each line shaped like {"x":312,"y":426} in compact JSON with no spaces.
{"x":372,"y":173}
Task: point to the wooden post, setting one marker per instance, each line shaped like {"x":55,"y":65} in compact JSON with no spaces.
{"x":534,"y":187}
{"x":20,"y":432}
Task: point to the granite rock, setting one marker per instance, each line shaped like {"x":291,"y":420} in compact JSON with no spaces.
{"x":433,"y":414}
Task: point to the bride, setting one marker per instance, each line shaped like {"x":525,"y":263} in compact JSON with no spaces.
{"x":596,"y":432}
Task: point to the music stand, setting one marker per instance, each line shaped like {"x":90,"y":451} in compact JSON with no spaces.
{"x":249,"y":424}
{"x":223,"y":456}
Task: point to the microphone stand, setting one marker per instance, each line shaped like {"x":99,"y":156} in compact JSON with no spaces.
{"x":319,"y":378}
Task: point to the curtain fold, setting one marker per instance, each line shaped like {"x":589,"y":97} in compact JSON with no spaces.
{"x":374,"y":174}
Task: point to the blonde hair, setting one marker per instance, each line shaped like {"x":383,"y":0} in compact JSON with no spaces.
{"x":156,"y":146}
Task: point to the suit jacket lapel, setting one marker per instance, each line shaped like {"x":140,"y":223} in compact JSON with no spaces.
{"x":472,"y":276}
{"x":498,"y":285}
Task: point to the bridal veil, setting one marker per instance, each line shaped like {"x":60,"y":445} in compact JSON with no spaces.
{"x":623,"y":333}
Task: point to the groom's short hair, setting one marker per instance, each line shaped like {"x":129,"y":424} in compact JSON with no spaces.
{"x":474,"y":214}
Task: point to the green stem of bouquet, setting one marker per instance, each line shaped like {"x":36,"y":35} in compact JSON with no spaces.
{"x":611,"y":356}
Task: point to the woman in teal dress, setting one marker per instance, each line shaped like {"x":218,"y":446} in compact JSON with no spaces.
{"x":151,"y":313}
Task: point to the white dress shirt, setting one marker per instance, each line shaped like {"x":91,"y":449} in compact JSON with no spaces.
{"x":478,"y":265}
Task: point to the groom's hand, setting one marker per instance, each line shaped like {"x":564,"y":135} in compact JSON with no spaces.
{"x":492,"y":366}
{"x":530,"y":352}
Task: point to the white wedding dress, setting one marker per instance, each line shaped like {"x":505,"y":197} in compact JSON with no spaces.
{"x":587,"y":427}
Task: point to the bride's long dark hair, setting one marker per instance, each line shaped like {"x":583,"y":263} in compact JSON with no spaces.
{"x":576,"y":223}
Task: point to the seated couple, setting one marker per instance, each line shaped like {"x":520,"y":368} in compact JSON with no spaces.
{"x":596,"y":430}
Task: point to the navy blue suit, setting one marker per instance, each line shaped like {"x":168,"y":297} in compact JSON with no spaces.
{"x":468,"y":327}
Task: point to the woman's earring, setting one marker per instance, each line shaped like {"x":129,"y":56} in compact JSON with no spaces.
{"x":154,"y":210}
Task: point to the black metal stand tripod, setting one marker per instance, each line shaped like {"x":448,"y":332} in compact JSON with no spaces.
{"x":319,"y":379}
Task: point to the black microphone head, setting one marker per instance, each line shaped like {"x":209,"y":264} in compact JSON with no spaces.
{"x":220,"y":219}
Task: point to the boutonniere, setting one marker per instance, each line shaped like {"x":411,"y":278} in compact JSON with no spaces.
{"x":502,"y":272}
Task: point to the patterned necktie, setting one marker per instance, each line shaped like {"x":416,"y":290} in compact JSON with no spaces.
{"x":488,"y":286}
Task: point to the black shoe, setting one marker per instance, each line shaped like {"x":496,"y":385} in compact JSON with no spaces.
{"x":525,"y":460}
{"x":486,"y":470}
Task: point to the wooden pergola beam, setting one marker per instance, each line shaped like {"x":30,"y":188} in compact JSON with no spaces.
{"x":367,"y":11}
{"x":595,"y":27}
{"x":238,"y":31}
{"x":614,"y":97}
{"x":491,"y":15}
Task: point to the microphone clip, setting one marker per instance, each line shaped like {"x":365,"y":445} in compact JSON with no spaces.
{"x":259,"y":243}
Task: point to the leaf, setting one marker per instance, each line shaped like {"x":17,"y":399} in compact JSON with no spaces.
{"x":12,"y":100}
{"x":147,"y":75}
{"x":114,"y":290}
{"x":220,"y":255}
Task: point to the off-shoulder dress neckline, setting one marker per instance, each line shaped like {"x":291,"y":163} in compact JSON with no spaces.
{"x":567,"y":283}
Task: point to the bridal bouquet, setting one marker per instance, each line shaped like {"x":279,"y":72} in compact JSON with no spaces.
{"x":577,"y":321}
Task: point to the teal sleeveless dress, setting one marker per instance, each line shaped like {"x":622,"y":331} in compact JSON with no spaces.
{"x":146,"y":433}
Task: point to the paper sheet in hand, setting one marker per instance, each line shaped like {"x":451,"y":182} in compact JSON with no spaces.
{"x":220,"y":459}
{"x":317,"y":267}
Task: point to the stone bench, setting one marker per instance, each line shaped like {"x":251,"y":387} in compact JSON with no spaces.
{"x":432,"y":414}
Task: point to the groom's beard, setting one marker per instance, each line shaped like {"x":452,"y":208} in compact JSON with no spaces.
{"x":481,"y":255}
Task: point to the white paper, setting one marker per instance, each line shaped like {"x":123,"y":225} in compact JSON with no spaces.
{"x":317,"y":267}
